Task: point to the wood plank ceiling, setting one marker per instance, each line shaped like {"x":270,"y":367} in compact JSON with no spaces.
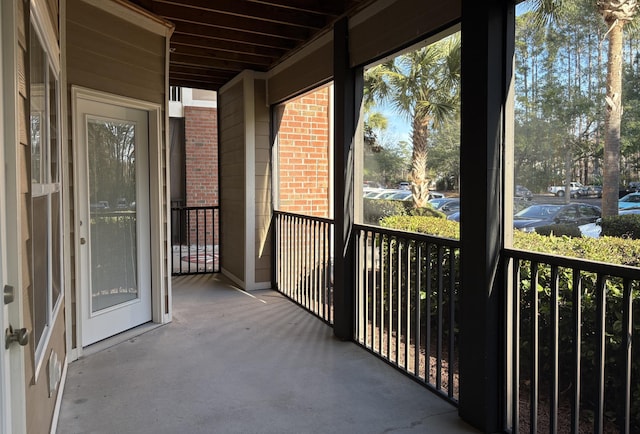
{"x":214,"y":40}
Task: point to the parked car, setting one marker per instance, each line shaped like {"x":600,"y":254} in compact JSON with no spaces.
{"x":594,"y":190}
{"x":101,"y":205}
{"x":404,"y":185}
{"x":401,"y":195}
{"x":437,"y":203}
{"x":631,"y":200}
{"x":629,"y":211}
{"x":576,"y":190}
{"x":634,"y":187}
{"x":576,"y":214}
{"x":450,"y":206}
{"x":523,"y":193}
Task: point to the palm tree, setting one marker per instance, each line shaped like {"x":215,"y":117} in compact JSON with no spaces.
{"x":616,"y":13}
{"x":422,"y":86}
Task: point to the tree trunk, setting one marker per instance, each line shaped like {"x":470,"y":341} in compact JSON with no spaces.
{"x":419,"y":182}
{"x":568,"y":165}
{"x":610,"y":184}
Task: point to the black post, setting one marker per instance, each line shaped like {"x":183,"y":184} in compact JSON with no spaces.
{"x":487,"y":56}
{"x":344,"y":134}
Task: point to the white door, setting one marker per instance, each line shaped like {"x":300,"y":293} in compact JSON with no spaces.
{"x":112,"y":177}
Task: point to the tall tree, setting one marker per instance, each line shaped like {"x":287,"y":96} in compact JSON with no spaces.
{"x":422,"y":86}
{"x":616,"y":14}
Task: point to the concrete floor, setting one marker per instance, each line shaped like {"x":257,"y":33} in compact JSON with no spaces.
{"x":233,"y":362}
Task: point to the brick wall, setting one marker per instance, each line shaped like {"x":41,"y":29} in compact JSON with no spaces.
{"x":201,"y":156}
{"x":201,"y":166}
{"x":303,"y":160}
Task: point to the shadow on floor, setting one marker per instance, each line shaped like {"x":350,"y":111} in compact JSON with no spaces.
{"x":237,"y":362}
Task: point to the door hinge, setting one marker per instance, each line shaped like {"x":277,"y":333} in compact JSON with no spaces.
{"x":9,"y":294}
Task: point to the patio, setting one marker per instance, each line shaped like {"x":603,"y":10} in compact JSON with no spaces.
{"x":237,"y":362}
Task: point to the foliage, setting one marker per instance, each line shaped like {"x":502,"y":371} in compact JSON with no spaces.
{"x":559,"y":230}
{"x":624,"y":226}
{"x":423,"y":87}
{"x":377,"y":209}
{"x":388,"y":163}
{"x":426,"y":225}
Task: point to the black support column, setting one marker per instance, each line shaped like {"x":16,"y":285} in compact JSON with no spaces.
{"x":345,"y":123}
{"x":487,"y":53}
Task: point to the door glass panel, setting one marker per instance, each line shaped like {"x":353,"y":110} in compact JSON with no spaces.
{"x":112,"y":193}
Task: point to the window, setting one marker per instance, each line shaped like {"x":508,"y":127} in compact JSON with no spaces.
{"x":46,"y":250}
{"x":411,"y":151}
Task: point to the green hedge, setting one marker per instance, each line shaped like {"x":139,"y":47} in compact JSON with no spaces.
{"x":376,"y":209}
{"x":423,"y":224}
{"x":624,"y":226}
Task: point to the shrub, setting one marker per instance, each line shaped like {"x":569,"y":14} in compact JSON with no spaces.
{"x":624,"y":226}
{"x":559,"y":230}
{"x":376,"y":209}
{"x":422,"y":224}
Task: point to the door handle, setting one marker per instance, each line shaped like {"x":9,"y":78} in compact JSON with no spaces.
{"x":21,"y":336}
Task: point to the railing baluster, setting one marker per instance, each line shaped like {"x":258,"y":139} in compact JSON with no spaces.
{"x":515,"y":400}
{"x":407,"y":310}
{"x":627,"y":330}
{"x":553,"y":402}
{"x":440,"y":319}
{"x":389,"y":297}
{"x":374,"y":290}
{"x":400,"y":244}
{"x":577,"y":348}
{"x":452,"y":283}
{"x":601,"y":356}
{"x":533,"y":405}
{"x":427,"y":348}
{"x":418,"y":302}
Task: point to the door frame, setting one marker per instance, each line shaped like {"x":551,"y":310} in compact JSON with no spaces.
{"x":158,"y":207}
{"x":13,"y":409}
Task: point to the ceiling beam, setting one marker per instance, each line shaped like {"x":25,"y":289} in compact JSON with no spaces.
{"x":198,"y":30}
{"x":221,"y":44}
{"x":260,"y":11}
{"x":220,"y":54}
{"x":208,"y":62}
{"x":216,"y":19}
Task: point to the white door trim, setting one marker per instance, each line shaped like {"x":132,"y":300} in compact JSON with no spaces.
{"x":13,"y":393}
{"x":159,"y":209}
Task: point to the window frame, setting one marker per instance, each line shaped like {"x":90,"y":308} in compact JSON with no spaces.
{"x":40,"y":29}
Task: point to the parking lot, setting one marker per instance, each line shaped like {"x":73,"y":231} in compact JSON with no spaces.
{"x":550,"y":198}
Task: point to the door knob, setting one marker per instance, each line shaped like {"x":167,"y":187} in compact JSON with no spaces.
{"x":21,"y":336}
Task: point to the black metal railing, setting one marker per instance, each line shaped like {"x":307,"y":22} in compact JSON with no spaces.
{"x":304,"y":261}
{"x":195,"y":240}
{"x":406,"y":304}
{"x":574,"y":345}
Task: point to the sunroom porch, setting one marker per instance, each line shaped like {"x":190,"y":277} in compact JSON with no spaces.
{"x":233,"y":361}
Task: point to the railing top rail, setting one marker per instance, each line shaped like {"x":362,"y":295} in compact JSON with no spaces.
{"x":623,"y":271}
{"x":303,"y":216}
{"x":193,"y":208}
{"x":450,"y":242}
